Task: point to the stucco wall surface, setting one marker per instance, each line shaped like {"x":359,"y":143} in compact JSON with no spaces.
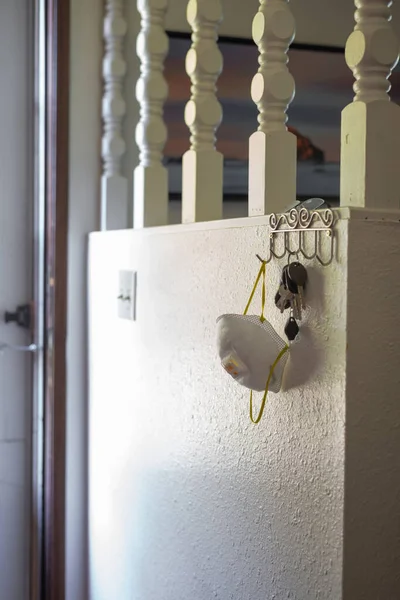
{"x":188,"y":499}
{"x":372,"y":457}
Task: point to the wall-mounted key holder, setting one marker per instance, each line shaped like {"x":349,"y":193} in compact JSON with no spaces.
{"x":310,"y":227}
{"x":250,"y":349}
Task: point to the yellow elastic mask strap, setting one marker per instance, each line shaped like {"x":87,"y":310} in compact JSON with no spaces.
{"x":264,"y":399}
{"x":261,"y":274}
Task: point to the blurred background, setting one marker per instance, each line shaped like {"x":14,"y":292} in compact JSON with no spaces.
{"x":323,"y":88}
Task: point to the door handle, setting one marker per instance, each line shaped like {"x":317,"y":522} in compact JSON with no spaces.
{"x":22,"y":316}
{"x":31,"y":348}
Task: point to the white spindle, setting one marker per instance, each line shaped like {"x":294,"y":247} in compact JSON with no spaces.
{"x":370,"y":136}
{"x":151,"y":177}
{"x":202,"y":166}
{"x":114,"y":186}
{"x":272,"y":149}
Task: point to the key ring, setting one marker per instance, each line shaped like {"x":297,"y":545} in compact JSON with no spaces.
{"x":292,"y":253}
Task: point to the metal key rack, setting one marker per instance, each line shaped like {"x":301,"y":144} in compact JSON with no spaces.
{"x":317,"y":224}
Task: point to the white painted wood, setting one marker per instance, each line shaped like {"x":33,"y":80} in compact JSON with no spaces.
{"x":86,"y":54}
{"x":370,"y":135}
{"x":202,"y":167}
{"x":151,"y":177}
{"x":114,"y":186}
{"x":272,"y":149}
{"x":131,"y":156}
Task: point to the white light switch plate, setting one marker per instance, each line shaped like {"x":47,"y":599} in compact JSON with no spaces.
{"x":127,"y":295}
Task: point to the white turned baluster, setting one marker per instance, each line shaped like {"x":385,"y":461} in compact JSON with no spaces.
{"x":272,"y":149}
{"x":151,"y":177}
{"x":202,"y":165}
{"x":370,"y":136}
{"x":114,"y":187}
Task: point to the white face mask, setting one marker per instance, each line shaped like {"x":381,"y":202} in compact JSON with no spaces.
{"x":251,"y":351}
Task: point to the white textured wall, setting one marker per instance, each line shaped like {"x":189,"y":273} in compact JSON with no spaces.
{"x":188,"y":499}
{"x":372,"y":473}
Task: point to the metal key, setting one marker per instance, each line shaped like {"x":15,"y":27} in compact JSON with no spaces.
{"x":287,"y":281}
{"x":283,"y":295}
{"x":296,"y":307}
{"x":283,"y":298}
{"x":295,"y":303}
{"x":297,"y":274}
{"x":279,"y":303}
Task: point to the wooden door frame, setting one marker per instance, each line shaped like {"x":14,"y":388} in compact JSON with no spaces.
{"x":57,"y":52}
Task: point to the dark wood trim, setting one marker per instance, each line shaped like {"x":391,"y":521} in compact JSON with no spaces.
{"x":226,"y":39}
{"x":58,"y":34}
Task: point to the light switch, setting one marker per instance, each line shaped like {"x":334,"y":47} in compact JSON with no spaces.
{"x":127,"y":295}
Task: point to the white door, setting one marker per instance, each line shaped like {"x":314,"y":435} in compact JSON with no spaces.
{"x":16,"y":268}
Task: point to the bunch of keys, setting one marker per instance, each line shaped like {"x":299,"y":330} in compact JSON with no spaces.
{"x":291,"y":295}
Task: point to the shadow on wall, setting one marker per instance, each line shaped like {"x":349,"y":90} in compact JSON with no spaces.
{"x":306,"y":356}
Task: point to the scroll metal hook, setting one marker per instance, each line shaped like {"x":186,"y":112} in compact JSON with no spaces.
{"x":329,"y":261}
{"x":301,"y":245}
{"x":272,"y":247}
